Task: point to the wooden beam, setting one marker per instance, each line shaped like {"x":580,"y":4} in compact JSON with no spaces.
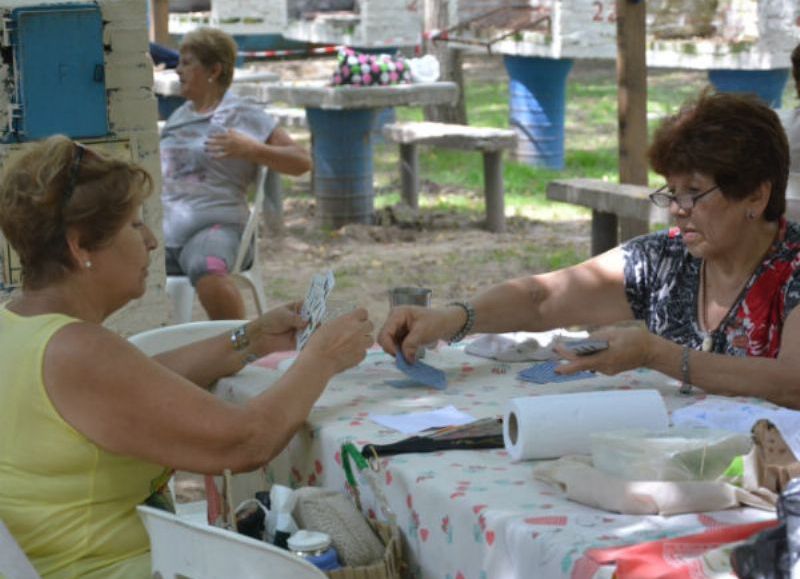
{"x":159,"y":22}
{"x":632,"y":102}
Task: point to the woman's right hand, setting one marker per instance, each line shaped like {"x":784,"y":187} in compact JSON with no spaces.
{"x":343,"y":341}
{"x":410,"y":327}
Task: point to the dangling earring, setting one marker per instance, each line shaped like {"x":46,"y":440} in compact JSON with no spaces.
{"x":87,"y":264}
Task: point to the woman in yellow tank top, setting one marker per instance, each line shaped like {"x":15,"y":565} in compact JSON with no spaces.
{"x":90,"y":426}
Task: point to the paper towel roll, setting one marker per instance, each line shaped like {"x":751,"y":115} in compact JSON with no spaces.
{"x":552,"y":426}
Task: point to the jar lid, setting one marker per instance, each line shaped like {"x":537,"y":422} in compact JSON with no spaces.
{"x":304,"y":540}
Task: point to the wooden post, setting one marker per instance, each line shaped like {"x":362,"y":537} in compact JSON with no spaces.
{"x":159,"y":22}
{"x":632,"y":103}
{"x":450,"y":65}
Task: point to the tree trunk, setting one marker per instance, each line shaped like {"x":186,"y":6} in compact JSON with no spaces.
{"x":450,"y":65}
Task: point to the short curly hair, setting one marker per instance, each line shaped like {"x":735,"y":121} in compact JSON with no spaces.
{"x":736,"y":139}
{"x":213,"y":46}
{"x":47,"y":189}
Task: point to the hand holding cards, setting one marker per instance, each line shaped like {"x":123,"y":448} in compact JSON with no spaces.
{"x":315,"y":305}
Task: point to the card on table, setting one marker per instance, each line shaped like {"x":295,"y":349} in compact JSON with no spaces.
{"x":544,"y":373}
{"x":419,"y":374}
{"x":314,"y":306}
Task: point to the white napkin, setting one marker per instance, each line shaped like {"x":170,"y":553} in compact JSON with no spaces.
{"x":520,"y":346}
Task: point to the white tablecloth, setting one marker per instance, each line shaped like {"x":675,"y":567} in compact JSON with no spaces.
{"x":467,"y":514}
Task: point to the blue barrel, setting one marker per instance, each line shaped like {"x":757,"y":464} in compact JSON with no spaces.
{"x":342,"y":152}
{"x":537,"y":95}
{"x":767,"y":84}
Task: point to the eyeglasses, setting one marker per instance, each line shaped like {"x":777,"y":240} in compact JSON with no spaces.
{"x":685,"y":201}
{"x":74,"y":169}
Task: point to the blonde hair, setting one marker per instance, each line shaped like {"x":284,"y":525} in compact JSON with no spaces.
{"x":212,"y":46}
{"x":49,"y":188}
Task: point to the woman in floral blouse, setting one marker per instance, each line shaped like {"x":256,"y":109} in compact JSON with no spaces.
{"x":717,"y":292}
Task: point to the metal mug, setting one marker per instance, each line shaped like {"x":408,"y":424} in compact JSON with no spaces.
{"x":411,"y":296}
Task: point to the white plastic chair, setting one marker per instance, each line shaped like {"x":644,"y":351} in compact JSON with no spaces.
{"x":14,"y":564}
{"x":158,"y":340}
{"x":180,"y":290}
{"x":182,"y":548}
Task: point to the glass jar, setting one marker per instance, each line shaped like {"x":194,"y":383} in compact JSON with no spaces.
{"x":315,"y":547}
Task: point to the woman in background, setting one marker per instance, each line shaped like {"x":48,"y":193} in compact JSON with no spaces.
{"x":211,"y":151}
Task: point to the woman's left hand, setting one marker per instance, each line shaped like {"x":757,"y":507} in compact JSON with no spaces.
{"x":275,"y":331}
{"x":628,"y":348}
{"x":230,"y":144}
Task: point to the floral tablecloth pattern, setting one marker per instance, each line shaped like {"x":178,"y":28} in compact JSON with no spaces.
{"x":466,"y":514}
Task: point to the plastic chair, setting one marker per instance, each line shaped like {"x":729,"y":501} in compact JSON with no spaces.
{"x":158,"y":340}
{"x":182,"y":293}
{"x":181,"y":548}
{"x":14,"y":564}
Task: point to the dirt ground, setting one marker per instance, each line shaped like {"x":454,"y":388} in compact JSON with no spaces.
{"x":449,"y":253}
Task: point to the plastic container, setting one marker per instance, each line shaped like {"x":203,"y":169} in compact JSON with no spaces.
{"x":315,"y":547}
{"x":677,"y":454}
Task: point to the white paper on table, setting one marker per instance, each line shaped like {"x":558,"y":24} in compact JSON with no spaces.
{"x":415,"y":422}
{"x":520,"y":346}
{"x":740,"y":417}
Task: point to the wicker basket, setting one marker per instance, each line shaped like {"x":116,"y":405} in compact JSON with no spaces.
{"x":392,"y":566}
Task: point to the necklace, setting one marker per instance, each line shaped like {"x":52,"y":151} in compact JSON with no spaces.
{"x":710,"y":335}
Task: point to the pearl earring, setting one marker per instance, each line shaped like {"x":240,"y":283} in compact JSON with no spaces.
{"x":210,"y":80}
{"x":87,"y":264}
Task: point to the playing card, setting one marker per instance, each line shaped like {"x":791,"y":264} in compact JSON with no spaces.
{"x":544,"y":373}
{"x":420,"y":373}
{"x":314,"y":306}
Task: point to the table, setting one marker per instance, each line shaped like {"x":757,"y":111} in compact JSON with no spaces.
{"x":468,"y":514}
{"x":341,"y":120}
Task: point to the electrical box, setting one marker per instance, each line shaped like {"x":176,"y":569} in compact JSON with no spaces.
{"x":58,"y":72}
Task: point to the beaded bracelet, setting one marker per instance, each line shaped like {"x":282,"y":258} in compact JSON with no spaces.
{"x":686,"y":387}
{"x":467,"y":327}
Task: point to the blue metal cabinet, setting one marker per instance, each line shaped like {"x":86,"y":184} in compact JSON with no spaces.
{"x":58,"y":60}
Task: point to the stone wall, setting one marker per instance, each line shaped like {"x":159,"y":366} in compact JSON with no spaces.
{"x":132,"y":116}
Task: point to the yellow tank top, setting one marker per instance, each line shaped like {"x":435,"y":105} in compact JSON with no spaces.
{"x":69,"y":504}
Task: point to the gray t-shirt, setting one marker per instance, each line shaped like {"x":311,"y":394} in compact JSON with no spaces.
{"x":197,"y":190}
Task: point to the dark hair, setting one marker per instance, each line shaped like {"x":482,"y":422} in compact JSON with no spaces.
{"x":212,"y":46}
{"x":796,"y":69}
{"x":48,"y":188}
{"x":736,"y":139}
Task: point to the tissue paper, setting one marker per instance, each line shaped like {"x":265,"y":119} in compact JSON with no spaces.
{"x":537,"y":427}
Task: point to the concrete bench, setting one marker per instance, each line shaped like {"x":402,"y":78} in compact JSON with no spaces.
{"x":608,"y":202}
{"x":288,"y":117}
{"x":489,"y":141}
